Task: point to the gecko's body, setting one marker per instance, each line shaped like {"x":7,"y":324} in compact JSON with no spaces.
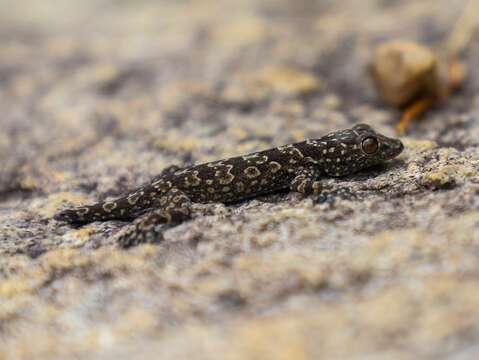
{"x":299,"y":167}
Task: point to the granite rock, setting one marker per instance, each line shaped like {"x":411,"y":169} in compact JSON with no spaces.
{"x":96,"y":97}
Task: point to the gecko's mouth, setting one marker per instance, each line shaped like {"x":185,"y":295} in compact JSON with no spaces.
{"x":398,"y":147}
{"x":391,"y":148}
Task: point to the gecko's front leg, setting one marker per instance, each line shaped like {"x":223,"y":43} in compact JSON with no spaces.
{"x":172,"y":208}
{"x":306,"y":182}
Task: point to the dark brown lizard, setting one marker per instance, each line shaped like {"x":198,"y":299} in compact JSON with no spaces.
{"x":300,"y":167}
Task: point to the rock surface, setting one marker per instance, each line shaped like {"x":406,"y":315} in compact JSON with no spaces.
{"x":98,"y":96}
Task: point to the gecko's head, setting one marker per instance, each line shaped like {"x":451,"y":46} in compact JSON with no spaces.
{"x":359,"y":148}
{"x":374,"y":146}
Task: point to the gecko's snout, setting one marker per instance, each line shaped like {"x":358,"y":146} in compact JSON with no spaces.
{"x":396,"y":147}
{"x":390,"y":148}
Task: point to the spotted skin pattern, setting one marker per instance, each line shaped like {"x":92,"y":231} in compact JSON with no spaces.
{"x":300,"y":167}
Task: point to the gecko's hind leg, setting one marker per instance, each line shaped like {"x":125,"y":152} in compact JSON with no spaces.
{"x":126,"y":208}
{"x":172,"y":208}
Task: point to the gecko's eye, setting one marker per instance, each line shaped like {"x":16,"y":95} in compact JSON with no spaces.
{"x":370,"y":145}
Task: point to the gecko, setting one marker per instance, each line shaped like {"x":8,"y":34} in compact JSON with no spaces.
{"x":299,"y":167}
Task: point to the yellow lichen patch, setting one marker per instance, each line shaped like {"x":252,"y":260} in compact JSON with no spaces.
{"x":254,"y":341}
{"x":263,"y":240}
{"x":331,"y":102}
{"x":64,"y":259}
{"x":266,"y":82}
{"x":57,"y":176}
{"x":23,"y":86}
{"x":448,"y":175}
{"x":288,"y":80}
{"x":137,"y":318}
{"x":391,"y":312}
{"x":214,"y":286}
{"x":440,"y":178}
{"x":306,"y":270}
{"x":393,"y":271}
{"x":298,"y":134}
{"x":418,"y":145}
{"x":249,"y":146}
{"x":11,"y":288}
{"x":177,"y":142}
{"x":81,"y":235}
{"x":175,"y":96}
{"x":100,"y":73}
{"x":388,"y":249}
{"x":238,"y":32}
{"x":239,"y":133}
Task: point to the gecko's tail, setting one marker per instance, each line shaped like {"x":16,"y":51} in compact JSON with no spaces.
{"x":87,"y":214}
{"x":74,"y":216}
{"x":124,"y":208}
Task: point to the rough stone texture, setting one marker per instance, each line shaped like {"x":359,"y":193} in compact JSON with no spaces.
{"x":97,"y":96}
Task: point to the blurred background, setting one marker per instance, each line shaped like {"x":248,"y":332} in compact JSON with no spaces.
{"x":97,"y":96}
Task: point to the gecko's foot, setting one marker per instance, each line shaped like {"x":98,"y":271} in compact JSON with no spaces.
{"x":149,"y":227}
